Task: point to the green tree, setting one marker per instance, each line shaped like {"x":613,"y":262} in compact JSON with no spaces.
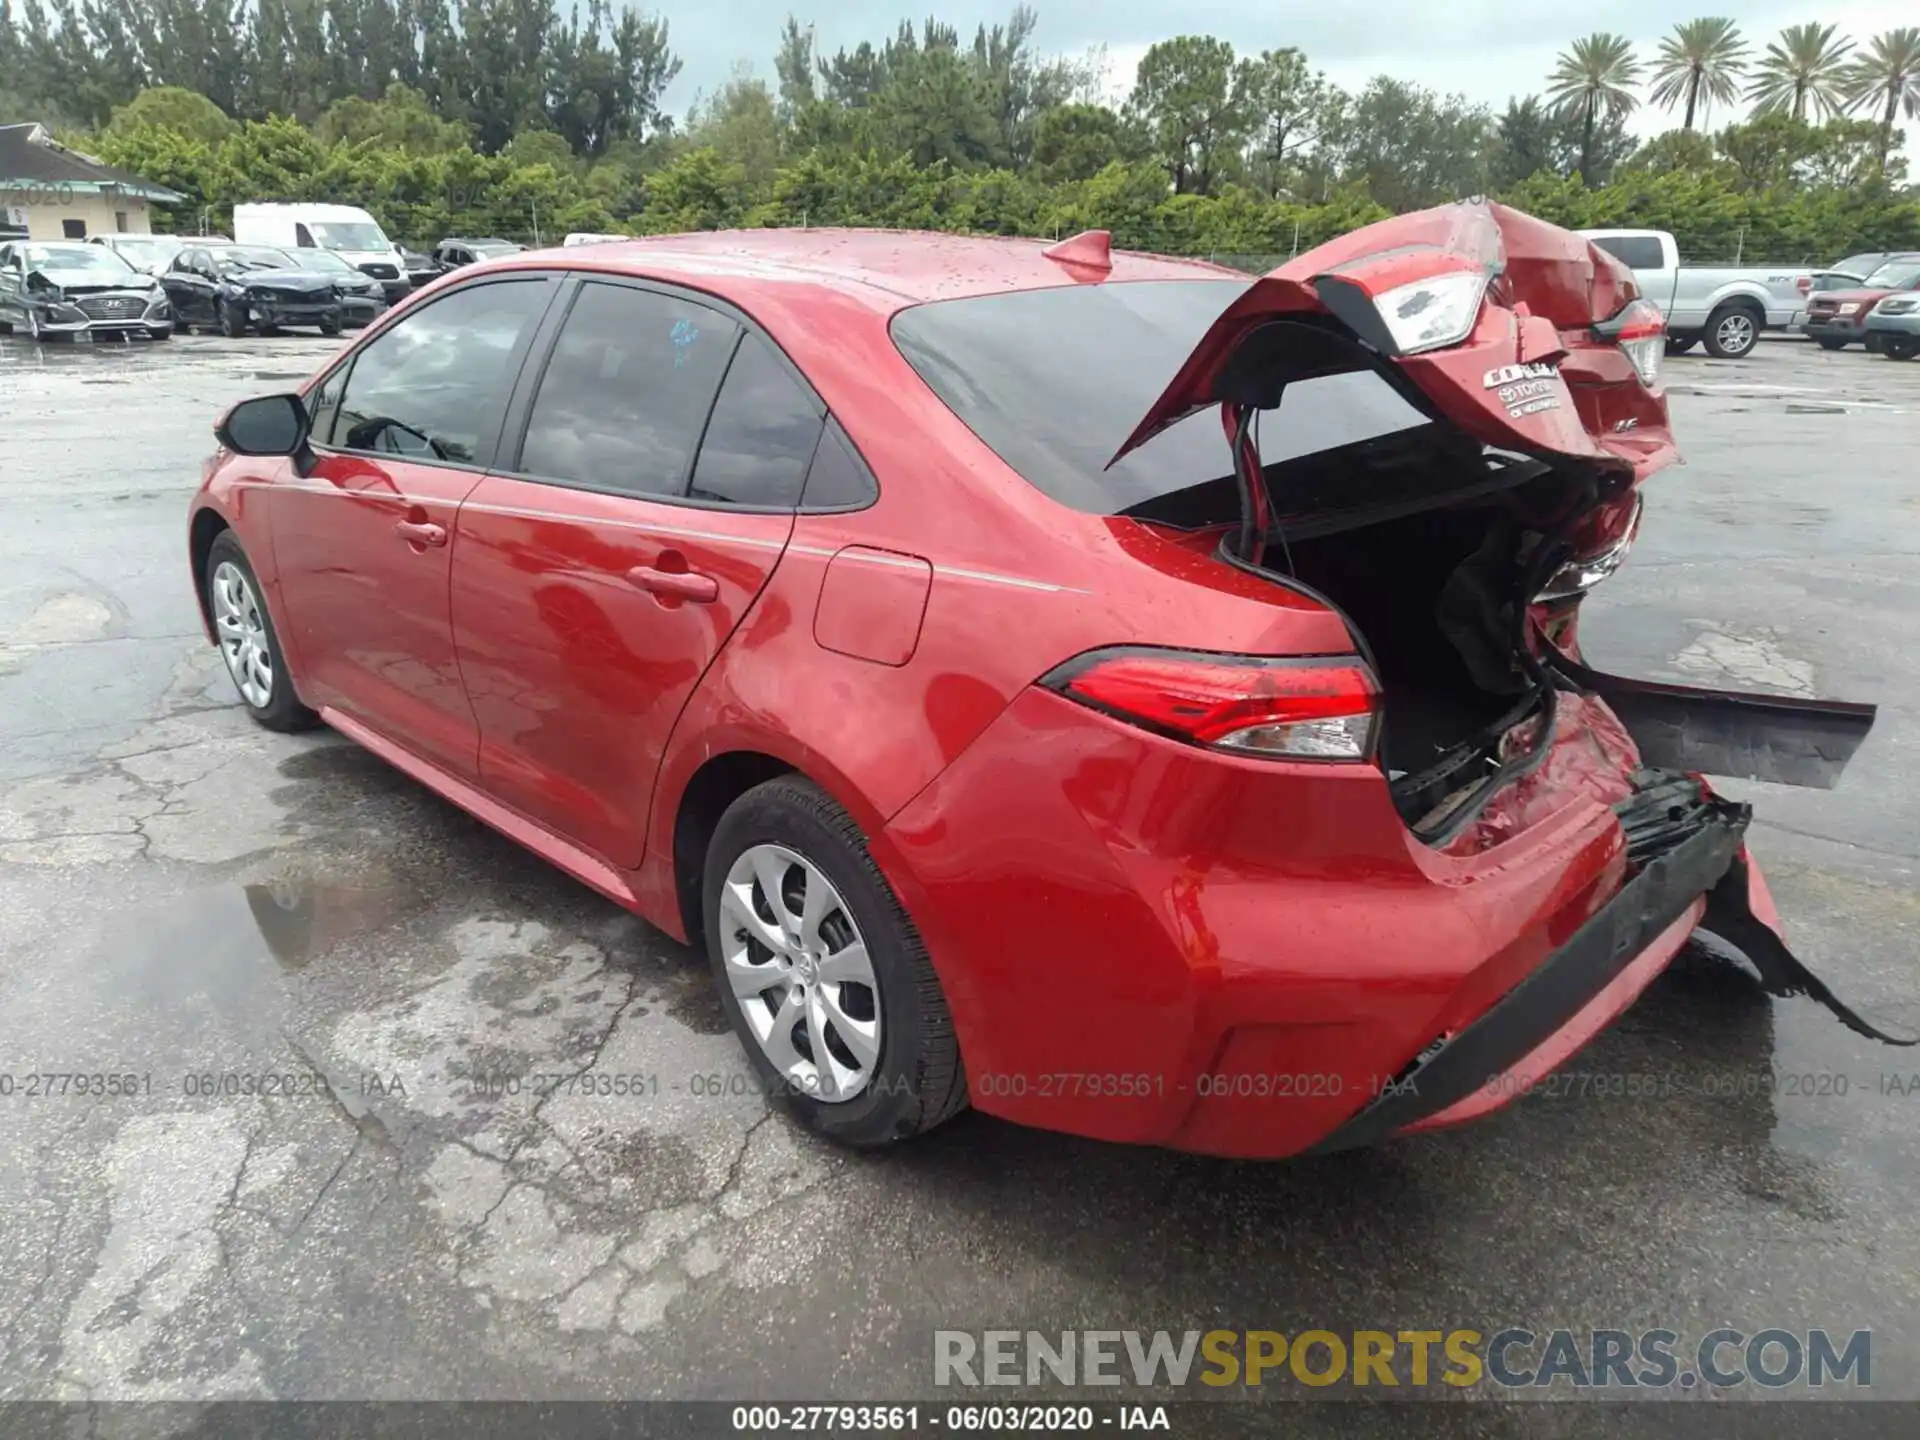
{"x":1886,"y":78}
{"x":1412,"y":148}
{"x":400,"y":120}
{"x":1593,"y":80}
{"x":1699,"y":63}
{"x":1287,"y":108}
{"x":170,"y":107}
{"x":1184,"y":95}
{"x":1077,"y":142}
{"x":741,"y":124}
{"x":1805,"y":68}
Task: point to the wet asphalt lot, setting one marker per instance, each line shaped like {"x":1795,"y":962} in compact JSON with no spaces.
{"x":183,"y":896}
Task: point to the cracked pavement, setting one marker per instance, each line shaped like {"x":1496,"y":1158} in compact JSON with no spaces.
{"x":486,"y":1135}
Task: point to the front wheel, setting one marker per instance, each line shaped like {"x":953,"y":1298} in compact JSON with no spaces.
{"x":329,"y":327}
{"x":247,"y":640}
{"x":1732,"y":332}
{"x":160,"y":333}
{"x":822,"y":973}
{"x":1828,"y":342}
{"x":1900,"y":347}
{"x":233,"y":321}
{"x":1680,"y":344}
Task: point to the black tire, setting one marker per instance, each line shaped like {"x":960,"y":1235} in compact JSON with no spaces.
{"x":1900,"y":347}
{"x":163,"y":334}
{"x":1827,"y":342}
{"x":1680,"y":344}
{"x":1737,"y":341}
{"x":283,"y":710}
{"x":329,"y":327}
{"x":6,"y":327}
{"x":232,"y":323}
{"x":917,"y":1081}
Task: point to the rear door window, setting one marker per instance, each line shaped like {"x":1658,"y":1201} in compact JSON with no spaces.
{"x":1636,"y":252}
{"x":761,"y":437}
{"x":627,"y":391}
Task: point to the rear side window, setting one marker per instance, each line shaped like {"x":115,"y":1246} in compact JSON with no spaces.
{"x":1053,"y":381}
{"x":1636,"y":252}
{"x":761,"y":438}
{"x":627,"y":391}
{"x":837,"y":480}
{"x":433,"y":387}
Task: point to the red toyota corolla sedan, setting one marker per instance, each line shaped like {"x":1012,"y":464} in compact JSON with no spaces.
{"x":1126,"y":697}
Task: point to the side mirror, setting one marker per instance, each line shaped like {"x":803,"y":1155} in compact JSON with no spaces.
{"x":269,"y":425}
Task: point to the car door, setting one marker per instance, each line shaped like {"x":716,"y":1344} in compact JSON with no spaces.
{"x":12,"y":286}
{"x":188,"y":282}
{"x":600,"y":569}
{"x":363,"y":541}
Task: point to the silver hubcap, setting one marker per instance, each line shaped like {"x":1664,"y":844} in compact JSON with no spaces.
{"x":800,"y":972}
{"x":1736,"y":332}
{"x":243,"y":634}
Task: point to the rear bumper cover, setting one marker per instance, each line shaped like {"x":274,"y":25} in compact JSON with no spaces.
{"x":1556,"y":995}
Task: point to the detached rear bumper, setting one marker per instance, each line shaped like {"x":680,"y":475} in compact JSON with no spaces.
{"x":1560,"y":1006}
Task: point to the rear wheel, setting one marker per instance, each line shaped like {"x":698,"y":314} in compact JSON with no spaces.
{"x":247,"y":640}
{"x":1732,"y":332}
{"x":1828,"y":342}
{"x":821,"y":972}
{"x":1900,"y":347}
{"x":1680,"y":344}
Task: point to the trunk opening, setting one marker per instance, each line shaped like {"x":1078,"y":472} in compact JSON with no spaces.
{"x":1434,"y":569}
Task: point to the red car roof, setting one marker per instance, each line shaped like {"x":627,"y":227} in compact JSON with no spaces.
{"x":887,"y":269}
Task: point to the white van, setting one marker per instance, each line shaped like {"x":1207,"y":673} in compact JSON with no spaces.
{"x":347,"y":230}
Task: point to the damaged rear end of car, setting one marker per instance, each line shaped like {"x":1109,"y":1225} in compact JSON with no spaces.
{"x":1459,"y":553}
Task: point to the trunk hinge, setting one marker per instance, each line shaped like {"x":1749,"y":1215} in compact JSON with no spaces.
{"x":1256,"y":512}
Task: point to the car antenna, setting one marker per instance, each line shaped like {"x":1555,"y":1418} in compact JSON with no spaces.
{"x":1089,"y":250}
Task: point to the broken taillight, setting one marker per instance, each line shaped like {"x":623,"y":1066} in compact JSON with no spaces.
{"x":1313,"y":708}
{"x":1640,"y":330}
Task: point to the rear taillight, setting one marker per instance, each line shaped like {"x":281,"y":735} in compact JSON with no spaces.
{"x":1640,"y":331}
{"x":1312,"y":708}
{"x":1804,"y":284}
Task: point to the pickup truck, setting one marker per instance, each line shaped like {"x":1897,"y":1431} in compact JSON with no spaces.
{"x":1723,"y":306}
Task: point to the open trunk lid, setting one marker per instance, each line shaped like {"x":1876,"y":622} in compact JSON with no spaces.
{"x":1483,"y":317}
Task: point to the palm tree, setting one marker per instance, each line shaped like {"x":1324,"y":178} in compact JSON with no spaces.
{"x":1887,"y":77}
{"x":1594,"y":78}
{"x":1806,"y":64}
{"x":1701,"y":60}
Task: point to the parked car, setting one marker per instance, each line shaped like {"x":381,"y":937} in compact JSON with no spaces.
{"x":1724,"y":307}
{"x":421,"y":268}
{"x":453,"y":252}
{"x":54,"y":290}
{"x":237,"y":287}
{"x":149,"y":254}
{"x":1893,"y":328}
{"x":1838,"y":318}
{"x":347,"y":230}
{"x":872,"y":607}
{"x":1847,"y":273}
{"x":363,"y":299}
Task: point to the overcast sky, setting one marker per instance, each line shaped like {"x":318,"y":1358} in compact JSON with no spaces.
{"x":1489,"y":50}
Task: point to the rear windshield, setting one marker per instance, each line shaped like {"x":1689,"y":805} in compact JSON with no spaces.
{"x":1053,"y":381}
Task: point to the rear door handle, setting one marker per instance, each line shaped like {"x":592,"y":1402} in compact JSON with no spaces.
{"x":421,"y":532}
{"x":682,"y":584}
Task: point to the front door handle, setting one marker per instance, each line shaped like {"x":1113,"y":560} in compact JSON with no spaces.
{"x":421,"y":532}
{"x":681,"y":584}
